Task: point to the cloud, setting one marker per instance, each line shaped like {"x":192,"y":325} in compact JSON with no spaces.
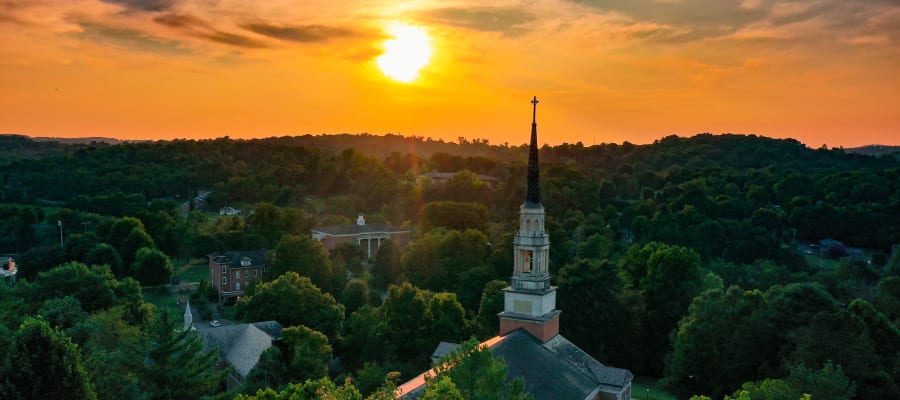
{"x":143,"y":5}
{"x":705,"y":19}
{"x":186,"y":21}
{"x":233,"y":39}
{"x":128,"y":38}
{"x":200,"y":28}
{"x":489,"y":19}
{"x":299,"y":33}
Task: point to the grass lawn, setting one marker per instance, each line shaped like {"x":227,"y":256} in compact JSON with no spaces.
{"x":639,"y":387}
{"x":162,"y":301}
{"x":195,"y":270}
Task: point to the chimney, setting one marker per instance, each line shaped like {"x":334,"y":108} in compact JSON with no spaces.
{"x":360,"y":220}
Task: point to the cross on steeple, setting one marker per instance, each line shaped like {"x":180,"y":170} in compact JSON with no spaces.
{"x":533,"y":192}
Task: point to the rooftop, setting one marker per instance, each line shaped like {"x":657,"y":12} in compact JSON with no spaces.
{"x":242,"y":344}
{"x":257,"y":257}
{"x":355,"y":229}
{"x":557,"y":369}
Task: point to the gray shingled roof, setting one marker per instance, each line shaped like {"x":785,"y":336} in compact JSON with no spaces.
{"x":443,"y":348}
{"x":354,"y":229}
{"x":242,"y":344}
{"x":555,"y":370}
{"x":257,"y":257}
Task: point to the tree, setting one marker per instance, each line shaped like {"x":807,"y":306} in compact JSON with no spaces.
{"x":594,"y":288}
{"x":455,"y":216}
{"x":491,"y":304}
{"x":477,"y":374}
{"x":403,"y":326}
{"x":306,"y":257}
{"x":727,"y":338}
{"x":442,"y":389}
{"x":137,"y":239}
{"x":105,"y":254}
{"x":111,"y":347}
{"x":446,"y":319}
{"x":63,"y":313}
{"x":360,"y":340}
{"x":43,"y":363}
{"x":673,"y":280}
{"x":354,"y":295}
{"x":177,"y":367}
{"x":94,"y":287}
{"x":151,"y":267}
{"x":292,"y":300}
{"x":271,"y":371}
{"x":386,"y":268}
{"x":308,"y":353}
{"x":321,"y":389}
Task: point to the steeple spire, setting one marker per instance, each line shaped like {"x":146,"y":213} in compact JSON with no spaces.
{"x":530,"y":300}
{"x":533,"y":194}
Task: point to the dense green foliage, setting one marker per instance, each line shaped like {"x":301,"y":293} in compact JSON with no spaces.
{"x":700,"y":260}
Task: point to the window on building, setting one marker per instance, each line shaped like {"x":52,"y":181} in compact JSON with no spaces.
{"x":224,"y":280}
{"x":223,"y":269}
{"x":256,"y":273}
{"x":245,"y":262}
{"x":237,"y":274}
{"x":265,"y":269}
{"x":247,"y":273}
{"x":527,"y":261}
{"x":237,"y":286}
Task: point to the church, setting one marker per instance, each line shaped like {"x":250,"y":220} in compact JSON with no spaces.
{"x":529,"y":339}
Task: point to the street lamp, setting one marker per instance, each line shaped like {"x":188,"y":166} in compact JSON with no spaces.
{"x":59,"y":222}
{"x":647,"y":395}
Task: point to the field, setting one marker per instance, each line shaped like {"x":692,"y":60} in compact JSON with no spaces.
{"x":163,"y":300}
{"x":195,"y":270}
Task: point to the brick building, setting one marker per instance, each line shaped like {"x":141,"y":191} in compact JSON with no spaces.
{"x":230,"y":272}
{"x":367,"y":236}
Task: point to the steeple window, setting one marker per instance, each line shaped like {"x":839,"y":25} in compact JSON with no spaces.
{"x":527,"y":261}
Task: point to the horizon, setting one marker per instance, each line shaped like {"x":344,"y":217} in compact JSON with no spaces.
{"x":820,"y":72}
{"x":473,"y":140}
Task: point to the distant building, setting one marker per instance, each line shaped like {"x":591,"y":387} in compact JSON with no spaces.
{"x":441,"y":178}
{"x":367,"y":236}
{"x":229,"y":211}
{"x":230,"y":272}
{"x":529,"y":341}
{"x":8,"y":269}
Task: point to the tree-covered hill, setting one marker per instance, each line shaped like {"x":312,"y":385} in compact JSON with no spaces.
{"x":654,"y":245}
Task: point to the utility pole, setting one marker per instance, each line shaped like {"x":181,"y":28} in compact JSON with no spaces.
{"x":59,"y":222}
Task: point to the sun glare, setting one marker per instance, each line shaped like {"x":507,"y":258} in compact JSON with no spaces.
{"x":408,"y":52}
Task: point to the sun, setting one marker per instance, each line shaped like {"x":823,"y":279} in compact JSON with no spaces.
{"x":408,"y":52}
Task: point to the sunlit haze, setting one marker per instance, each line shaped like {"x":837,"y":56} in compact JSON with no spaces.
{"x":820,"y":71}
{"x":404,"y":55}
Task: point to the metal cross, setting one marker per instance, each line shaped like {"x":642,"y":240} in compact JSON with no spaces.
{"x":534,"y":114}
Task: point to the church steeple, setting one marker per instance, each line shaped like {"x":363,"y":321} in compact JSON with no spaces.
{"x":530,"y":301}
{"x":533,"y":193}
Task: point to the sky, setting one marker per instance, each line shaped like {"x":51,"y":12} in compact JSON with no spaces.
{"x":820,"y":71}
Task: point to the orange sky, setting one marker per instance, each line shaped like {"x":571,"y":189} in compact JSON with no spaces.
{"x":821,"y":71}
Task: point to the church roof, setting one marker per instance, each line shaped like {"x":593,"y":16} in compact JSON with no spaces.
{"x":555,"y":370}
{"x":242,"y":344}
{"x":354,"y":229}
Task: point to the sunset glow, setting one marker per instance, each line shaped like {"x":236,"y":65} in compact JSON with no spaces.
{"x":823,"y":71}
{"x":404,"y":55}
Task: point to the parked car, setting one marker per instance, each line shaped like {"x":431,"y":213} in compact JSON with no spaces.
{"x":215,"y":323}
